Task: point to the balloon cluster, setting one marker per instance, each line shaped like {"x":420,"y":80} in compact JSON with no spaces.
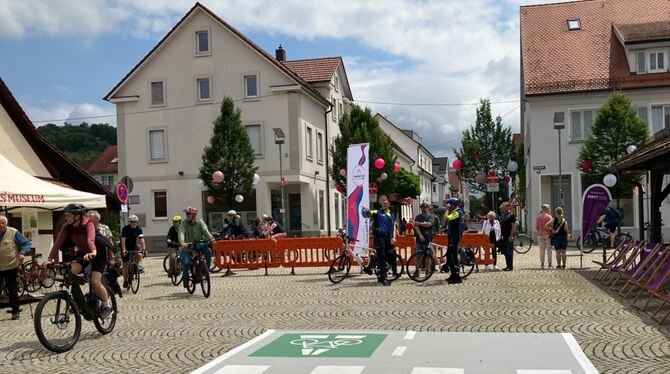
{"x":218,"y":177}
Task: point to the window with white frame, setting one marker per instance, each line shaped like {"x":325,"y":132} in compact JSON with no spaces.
{"x":160,"y":204}
{"x":202,"y":42}
{"x":157,"y":146}
{"x":319,"y":146}
{"x":158,"y":93}
{"x":254,"y":132}
{"x":580,"y":123}
{"x":337,"y":83}
{"x":309,"y":141}
{"x":660,"y":117}
{"x":204,"y":88}
{"x":642,"y":113}
{"x":107,"y":181}
{"x":251,"y":86}
{"x":656,"y":61}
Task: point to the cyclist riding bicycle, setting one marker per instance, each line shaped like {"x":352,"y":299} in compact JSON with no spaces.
{"x":173,"y":233}
{"x":191,"y":231}
{"x":77,"y":239}
{"x":132,"y":243}
{"x":612,"y":220}
{"x":274,"y":229}
{"x":236,"y":229}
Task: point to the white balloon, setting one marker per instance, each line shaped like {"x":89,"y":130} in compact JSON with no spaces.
{"x":383,"y":176}
{"x":257,"y":178}
{"x":201,"y":185}
{"x":631,"y":149}
{"x":609,"y":180}
{"x":512,"y":166}
{"x":239,"y":198}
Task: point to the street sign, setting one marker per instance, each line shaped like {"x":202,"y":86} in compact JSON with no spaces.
{"x":128,"y":182}
{"x":492,"y":187}
{"x":122,"y":192}
{"x":514,"y":201}
{"x":539,"y":167}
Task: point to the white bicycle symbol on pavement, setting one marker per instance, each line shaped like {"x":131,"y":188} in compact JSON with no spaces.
{"x":313,"y":345}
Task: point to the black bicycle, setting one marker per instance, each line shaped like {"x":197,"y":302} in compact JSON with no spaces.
{"x":133,"y":275}
{"x":422,"y":265}
{"x":599,"y":237}
{"x":58,"y":314}
{"x":522,"y":243}
{"x":174,"y":266}
{"x":198,"y":271}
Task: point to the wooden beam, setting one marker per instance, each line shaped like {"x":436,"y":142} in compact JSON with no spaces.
{"x":656,"y":183}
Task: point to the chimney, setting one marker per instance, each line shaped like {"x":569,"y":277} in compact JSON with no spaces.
{"x":280,"y":54}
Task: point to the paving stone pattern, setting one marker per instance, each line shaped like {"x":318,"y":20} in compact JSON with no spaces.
{"x":162,"y":329}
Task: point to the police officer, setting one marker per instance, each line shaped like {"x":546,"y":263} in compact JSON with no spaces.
{"x":453,"y":219}
{"x":384,"y":236}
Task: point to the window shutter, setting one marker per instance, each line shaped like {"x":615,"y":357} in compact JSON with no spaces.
{"x":641,"y":65}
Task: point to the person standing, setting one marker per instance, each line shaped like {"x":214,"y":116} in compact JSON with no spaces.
{"x":453,"y":218}
{"x":424,"y":232}
{"x":561,"y":231}
{"x":384,"y":236}
{"x":544,"y":233}
{"x":13,"y":247}
{"x":492,"y":227}
{"x":507,"y":231}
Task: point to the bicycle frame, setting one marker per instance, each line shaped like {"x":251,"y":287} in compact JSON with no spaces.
{"x":71,"y":287}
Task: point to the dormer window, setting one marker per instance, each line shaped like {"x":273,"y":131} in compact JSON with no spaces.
{"x":652,"y":61}
{"x":574,"y":24}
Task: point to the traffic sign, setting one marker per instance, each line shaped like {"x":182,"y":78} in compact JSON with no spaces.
{"x":492,"y":187}
{"x":122,"y":192}
{"x":539,"y":167}
{"x":128,"y":182}
{"x":514,"y":201}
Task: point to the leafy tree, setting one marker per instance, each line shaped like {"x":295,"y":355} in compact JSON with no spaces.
{"x":487,"y":145}
{"x":615,"y":127}
{"x":360,"y":126}
{"x":80,"y":142}
{"x":405,"y":183}
{"x":230,"y":152}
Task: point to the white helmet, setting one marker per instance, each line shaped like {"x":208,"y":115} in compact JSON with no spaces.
{"x":232,"y":212}
{"x":133,"y":218}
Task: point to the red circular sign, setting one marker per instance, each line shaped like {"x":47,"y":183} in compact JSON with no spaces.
{"x":122,"y":192}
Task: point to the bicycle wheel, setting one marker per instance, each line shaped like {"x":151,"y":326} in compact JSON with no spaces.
{"x":47,"y":277}
{"x":176,"y":276}
{"x":422,"y":268}
{"x":204,"y":280}
{"x":20,"y":286}
{"x":522,"y":243}
{"x":339,"y":268}
{"x":589,"y":243}
{"x":135,"y":279}
{"x":54,"y":317}
{"x":395,"y":268}
{"x":31,"y":275}
{"x":192,"y":273}
{"x":105,"y":326}
{"x":166,"y":262}
{"x":622,"y":237}
{"x":466,"y":262}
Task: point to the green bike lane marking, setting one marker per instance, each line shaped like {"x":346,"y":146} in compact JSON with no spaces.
{"x":320,"y":344}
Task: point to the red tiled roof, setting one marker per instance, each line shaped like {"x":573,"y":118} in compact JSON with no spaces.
{"x":454,"y":181}
{"x":314,"y":69}
{"x":556,"y":60}
{"x":633,"y":33}
{"x":103,"y":164}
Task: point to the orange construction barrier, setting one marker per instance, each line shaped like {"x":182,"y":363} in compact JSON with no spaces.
{"x":246,"y":254}
{"x":308,"y":252}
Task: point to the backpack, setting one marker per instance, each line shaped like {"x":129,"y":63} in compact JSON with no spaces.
{"x":464,"y":224}
{"x":613,"y":214}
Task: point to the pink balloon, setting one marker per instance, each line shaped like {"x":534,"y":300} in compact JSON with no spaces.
{"x":506,"y":179}
{"x":343,"y":172}
{"x":210,"y":199}
{"x":480,"y":177}
{"x":396,"y":167}
{"x":379,"y":163}
{"x":217,"y":176}
{"x":457,"y":164}
{"x":339,"y":188}
{"x":586,"y":165}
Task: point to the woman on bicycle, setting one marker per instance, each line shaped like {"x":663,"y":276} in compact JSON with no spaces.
{"x":78,"y":231}
{"x":559,"y":227}
{"x":491,"y":226}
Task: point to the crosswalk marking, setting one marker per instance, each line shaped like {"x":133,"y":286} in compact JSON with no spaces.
{"x":323,"y":369}
{"x":242,"y":369}
{"x":399,"y":351}
{"x":524,"y":371}
{"x":409,"y":335}
{"x":437,"y":371}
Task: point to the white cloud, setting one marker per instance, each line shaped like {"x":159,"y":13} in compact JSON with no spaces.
{"x":59,"y":113}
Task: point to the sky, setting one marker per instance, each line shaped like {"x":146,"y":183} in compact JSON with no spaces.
{"x":424,"y":64}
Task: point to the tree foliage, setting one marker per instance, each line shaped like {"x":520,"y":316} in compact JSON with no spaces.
{"x":615,"y":127}
{"x":405,"y":183}
{"x":230,"y":152}
{"x":487,"y":145}
{"x":80,"y":142}
{"x":360,"y":126}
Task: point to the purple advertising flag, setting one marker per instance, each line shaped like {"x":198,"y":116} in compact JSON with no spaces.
{"x":594,"y":201}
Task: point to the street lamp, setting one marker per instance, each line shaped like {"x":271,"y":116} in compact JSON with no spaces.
{"x":280,"y":138}
{"x":559,"y":124}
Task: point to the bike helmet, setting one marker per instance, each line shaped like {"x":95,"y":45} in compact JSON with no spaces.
{"x":75,"y":208}
{"x":176,"y":218}
{"x":232,"y":212}
{"x":133,"y":218}
{"x":453,"y":201}
{"x":191,"y":209}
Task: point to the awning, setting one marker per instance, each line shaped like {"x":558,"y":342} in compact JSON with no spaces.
{"x":20,"y":189}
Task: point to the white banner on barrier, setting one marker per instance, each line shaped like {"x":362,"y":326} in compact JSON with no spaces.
{"x":358,"y":195}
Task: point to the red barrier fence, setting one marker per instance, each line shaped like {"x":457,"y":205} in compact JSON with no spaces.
{"x":320,"y":251}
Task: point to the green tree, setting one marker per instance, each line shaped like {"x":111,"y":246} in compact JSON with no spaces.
{"x":360,"y":126}
{"x":487,"y":145}
{"x":230,"y":152}
{"x":80,"y":142}
{"x":405,"y":183}
{"x":615,"y":127}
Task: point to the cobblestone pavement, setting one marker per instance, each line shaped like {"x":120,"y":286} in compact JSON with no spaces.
{"x":162,"y":329}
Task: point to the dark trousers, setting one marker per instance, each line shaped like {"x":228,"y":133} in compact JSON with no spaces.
{"x":452,"y":257}
{"x":382,"y":246}
{"x":9,"y":279}
{"x":508,"y":250}
{"x":494,"y":252}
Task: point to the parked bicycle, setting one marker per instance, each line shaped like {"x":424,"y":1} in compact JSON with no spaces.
{"x":422,"y":266}
{"x":20,"y":287}
{"x":58,"y":315}
{"x":599,"y":237}
{"x":198,"y":271}
{"x":341,"y":265}
{"x":522,"y":243}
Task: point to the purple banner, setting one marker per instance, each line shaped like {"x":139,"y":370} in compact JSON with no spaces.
{"x":594,"y":201}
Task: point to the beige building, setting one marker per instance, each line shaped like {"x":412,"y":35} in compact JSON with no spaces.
{"x":166,"y":105}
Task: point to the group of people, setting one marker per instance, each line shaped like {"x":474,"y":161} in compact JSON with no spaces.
{"x":552,"y":231}
{"x":264,"y":227}
{"x":501,"y":231}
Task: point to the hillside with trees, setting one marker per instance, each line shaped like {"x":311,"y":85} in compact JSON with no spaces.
{"x":81,"y":142}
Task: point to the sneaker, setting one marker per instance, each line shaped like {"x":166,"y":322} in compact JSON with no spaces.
{"x":126,"y":285}
{"x":15,"y":315}
{"x":506,"y":269}
{"x":416,"y":273}
{"x":541,"y":266}
{"x":563,"y":267}
{"x":455,"y":280}
{"x":185,"y":284}
{"x":550,"y":267}
{"x":140,"y":269}
{"x":105,"y":311}
{"x":486,"y":268}
{"x":367,"y":270}
{"x":496,"y":268}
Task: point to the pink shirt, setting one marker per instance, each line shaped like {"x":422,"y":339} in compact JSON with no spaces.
{"x":541,"y":223}
{"x":83,"y":237}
